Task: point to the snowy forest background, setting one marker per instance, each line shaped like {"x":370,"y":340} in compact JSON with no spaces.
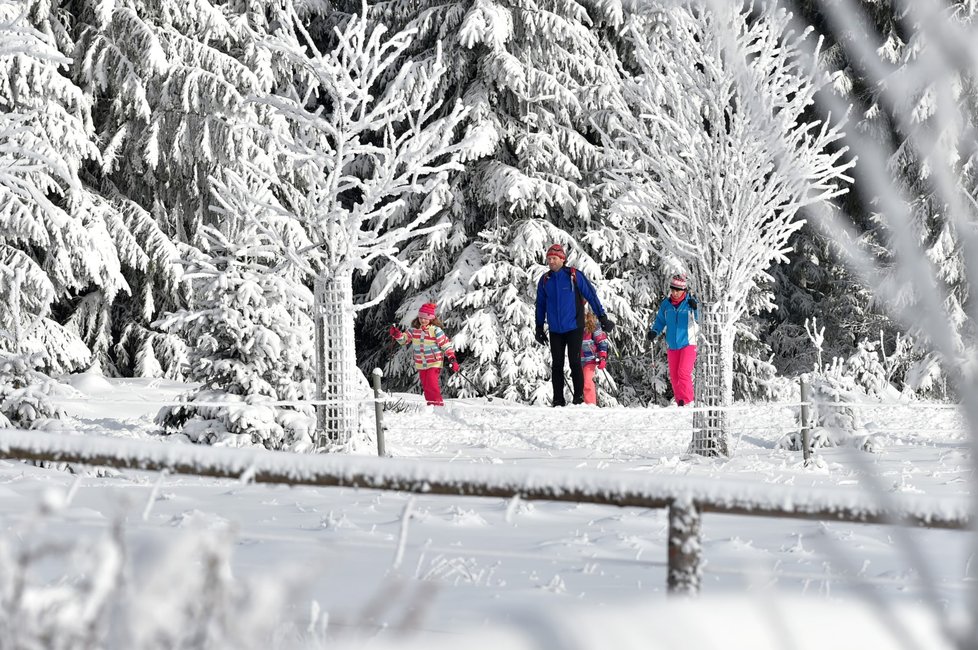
{"x":175,"y":176}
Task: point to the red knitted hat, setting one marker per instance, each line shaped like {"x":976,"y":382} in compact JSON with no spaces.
{"x":427,"y":310}
{"x":678,"y":281}
{"x":557,"y":251}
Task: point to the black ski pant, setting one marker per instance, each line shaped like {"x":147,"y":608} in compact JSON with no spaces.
{"x":571,"y":341}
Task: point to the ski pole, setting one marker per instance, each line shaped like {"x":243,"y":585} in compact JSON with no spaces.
{"x":624,"y":368}
{"x":475,"y":386}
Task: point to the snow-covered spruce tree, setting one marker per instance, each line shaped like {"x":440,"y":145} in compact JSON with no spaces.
{"x":168,"y":81}
{"x":79,"y":234}
{"x":533,"y":76}
{"x":248,"y":326}
{"x":49,"y":250}
{"x":49,"y":247}
{"x":914,"y":288}
{"x":716,"y":157}
{"x":354,"y":153}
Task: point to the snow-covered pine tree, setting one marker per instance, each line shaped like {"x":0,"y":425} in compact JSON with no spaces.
{"x":248,"y":326}
{"x":717,"y":157}
{"x":817,"y":283}
{"x":168,"y":81}
{"x":532,"y":75}
{"x":49,"y":248}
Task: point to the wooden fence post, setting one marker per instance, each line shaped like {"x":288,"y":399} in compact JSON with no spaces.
{"x":806,"y":436}
{"x":379,"y":411}
{"x":684,"y":571}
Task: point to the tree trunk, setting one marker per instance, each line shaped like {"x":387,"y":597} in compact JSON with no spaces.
{"x":337,"y":415}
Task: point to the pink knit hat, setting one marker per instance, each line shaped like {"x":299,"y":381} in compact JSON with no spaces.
{"x":557,"y":251}
{"x":678,"y":281}
{"x":427,"y":310}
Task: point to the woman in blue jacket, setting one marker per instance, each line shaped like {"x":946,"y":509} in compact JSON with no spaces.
{"x":561,"y":293}
{"x":678,"y":317}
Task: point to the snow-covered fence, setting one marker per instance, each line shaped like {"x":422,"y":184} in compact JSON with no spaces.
{"x":686,"y":498}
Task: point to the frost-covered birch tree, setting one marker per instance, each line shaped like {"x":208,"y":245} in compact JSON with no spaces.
{"x":365,"y":134}
{"x":938,"y":78}
{"x":717,"y":155}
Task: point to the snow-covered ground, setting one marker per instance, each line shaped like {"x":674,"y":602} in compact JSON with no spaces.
{"x":557,"y":574}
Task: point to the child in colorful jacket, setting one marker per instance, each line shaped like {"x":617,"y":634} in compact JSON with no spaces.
{"x":431,"y":346}
{"x":594,"y":355}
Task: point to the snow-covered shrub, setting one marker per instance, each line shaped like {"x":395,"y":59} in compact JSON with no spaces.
{"x":755,"y":376}
{"x":215,"y":417}
{"x":833,"y":421}
{"x":81,"y":593}
{"x":906,"y":371}
{"x":248,"y":330}
{"x":867,"y":369}
{"x":926,"y":376}
{"x":25,"y":393}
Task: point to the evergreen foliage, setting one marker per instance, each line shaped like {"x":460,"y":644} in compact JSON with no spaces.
{"x":46,"y":231}
{"x":174,"y":175}
{"x":168,"y":82}
{"x":248,"y":324}
{"x":532,"y":75}
{"x":873,"y":45}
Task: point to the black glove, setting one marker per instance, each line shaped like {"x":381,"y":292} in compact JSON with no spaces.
{"x":692,"y":302}
{"x":541,"y":336}
{"x":651,"y":334}
{"x":606,"y":323}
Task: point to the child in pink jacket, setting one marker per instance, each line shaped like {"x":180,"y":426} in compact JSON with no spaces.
{"x":431,"y":346}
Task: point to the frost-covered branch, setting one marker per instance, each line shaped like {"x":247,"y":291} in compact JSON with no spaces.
{"x":360,"y":146}
{"x":716,"y":153}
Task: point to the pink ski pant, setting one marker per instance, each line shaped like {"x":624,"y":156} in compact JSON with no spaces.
{"x":430,"y":386}
{"x":590,"y":394}
{"x":681,"y":363}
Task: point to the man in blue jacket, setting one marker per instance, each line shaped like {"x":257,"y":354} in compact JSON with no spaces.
{"x":561,"y":293}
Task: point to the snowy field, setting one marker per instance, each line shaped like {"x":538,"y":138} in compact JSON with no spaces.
{"x":333,"y":565}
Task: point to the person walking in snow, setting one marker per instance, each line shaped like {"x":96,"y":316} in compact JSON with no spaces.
{"x":678,"y":317}
{"x":431,"y":347}
{"x":594,"y":355}
{"x":561,"y":294}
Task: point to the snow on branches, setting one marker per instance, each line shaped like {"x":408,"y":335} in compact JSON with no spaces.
{"x":365,"y":133}
{"x":715,"y":152}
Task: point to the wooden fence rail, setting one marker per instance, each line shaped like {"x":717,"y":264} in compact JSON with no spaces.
{"x":685,"y":498}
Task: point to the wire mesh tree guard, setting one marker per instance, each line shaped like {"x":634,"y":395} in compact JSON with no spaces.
{"x":714,"y":361}
{"x":337,"y":418}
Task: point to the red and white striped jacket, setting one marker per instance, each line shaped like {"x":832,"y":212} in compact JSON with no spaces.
{"x":430,"y":345}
